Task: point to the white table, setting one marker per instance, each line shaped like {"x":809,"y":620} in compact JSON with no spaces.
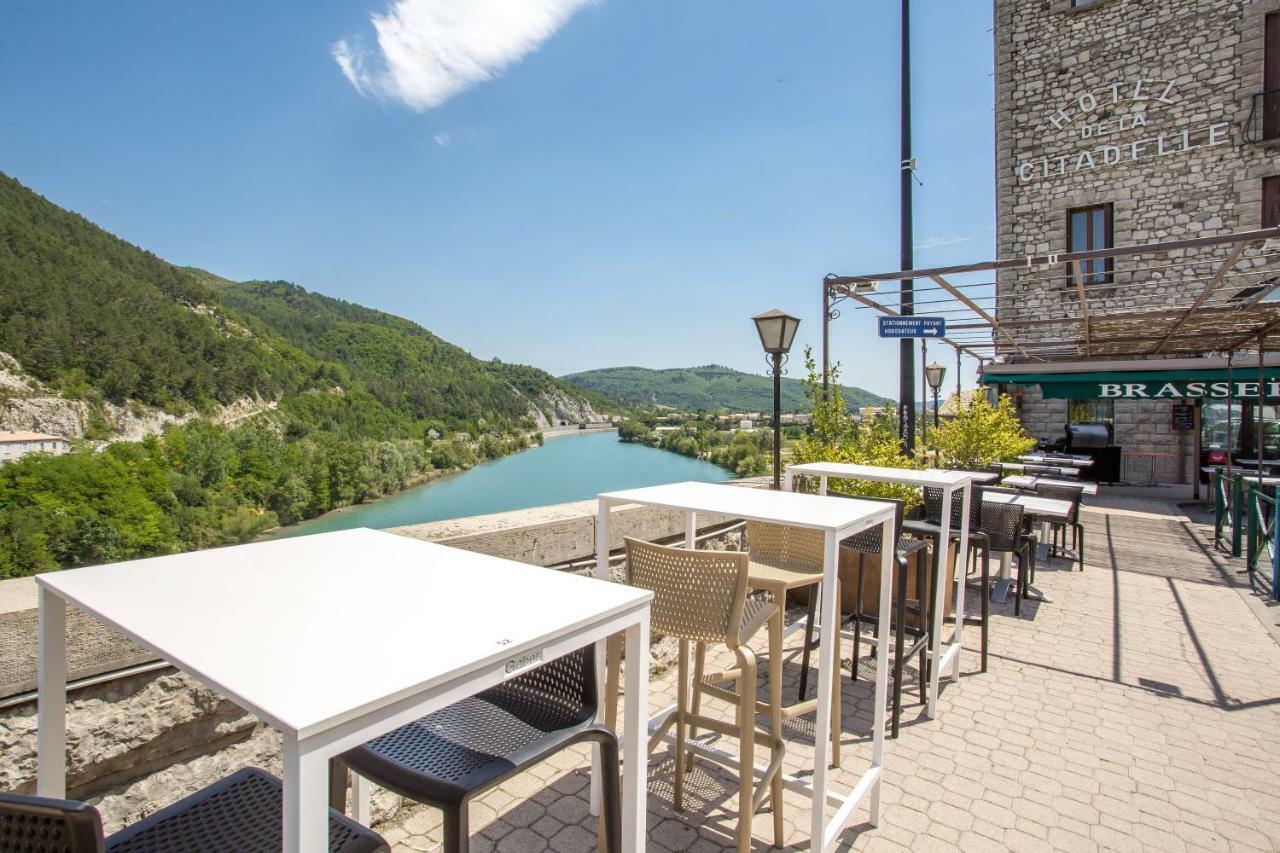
{"x":1070,"y":461}
{"x":949,"y":482}
{"x":838,"y":518}
{"x":1045,"y":509}
{"x":286,"y":630}
{"x":1029,"y":481}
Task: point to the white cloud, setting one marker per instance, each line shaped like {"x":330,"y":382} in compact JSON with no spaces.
{"x":940,"y":242}
{"x":442,"y":139}
{"x":430,"y":50}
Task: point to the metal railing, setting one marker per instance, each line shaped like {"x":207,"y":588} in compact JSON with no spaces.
{"x":1264,"y":533}
{"x":1263,"y":123}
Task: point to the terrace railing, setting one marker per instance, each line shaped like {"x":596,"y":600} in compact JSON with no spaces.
{"x":1264,"y":533}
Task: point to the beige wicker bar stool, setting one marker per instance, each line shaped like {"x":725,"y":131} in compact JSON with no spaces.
{"x":783,"y":559}
{"x":701,"y":597}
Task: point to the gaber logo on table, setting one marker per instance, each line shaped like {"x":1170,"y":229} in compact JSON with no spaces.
{"x":523,"y":662}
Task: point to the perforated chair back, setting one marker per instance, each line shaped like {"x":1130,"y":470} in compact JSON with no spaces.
{"x":868,"y":541}
{"x":697,"y":595}
{"x":45,"y":825}
{"x":933,"y":506}
{"x":1003,"y":525}
{"x":555,"y":695}
{"x":797,"y":549}
{"x":1056,"y":492}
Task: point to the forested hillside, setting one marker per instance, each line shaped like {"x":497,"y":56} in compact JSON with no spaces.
{"x":85,"y":311}
{"x":709,"y":388}
{"x":363,"y":402}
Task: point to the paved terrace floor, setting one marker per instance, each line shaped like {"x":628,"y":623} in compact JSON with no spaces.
{"x":1138,"y":711}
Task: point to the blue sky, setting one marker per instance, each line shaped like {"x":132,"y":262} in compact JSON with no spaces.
{"x":562,"y":183}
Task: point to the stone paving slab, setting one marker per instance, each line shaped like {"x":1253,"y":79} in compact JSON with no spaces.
{"x":1138,"y":711}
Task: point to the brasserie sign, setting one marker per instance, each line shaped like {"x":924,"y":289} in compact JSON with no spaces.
{"x":1096,"y":121}
{"x":1212,"y":384}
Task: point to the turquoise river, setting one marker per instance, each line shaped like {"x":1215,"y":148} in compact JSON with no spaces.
{"x":569,"y":468}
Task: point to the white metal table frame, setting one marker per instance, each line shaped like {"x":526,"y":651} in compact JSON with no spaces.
{"x":1030,"y":481}
{"x":1060,"y":461}
{"x":762,"y":505}
{"x":307,"y":749}
{"x":949,"y":482}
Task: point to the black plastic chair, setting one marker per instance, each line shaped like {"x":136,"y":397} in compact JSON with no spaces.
{"x":930,"y":528}
{"x":447,"y":758}
{"x":1004,"y":526}
{"x":241,"y":812}
{"x":869,"y":542}
{"x":1073,"y":496}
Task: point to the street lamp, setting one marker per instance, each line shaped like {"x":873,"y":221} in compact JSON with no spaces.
{"x":777,"y":330}
{"x":934,"y":373}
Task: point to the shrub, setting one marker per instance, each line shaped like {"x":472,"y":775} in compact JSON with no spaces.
{"x":980,"y":434}
{"x":837,"y":436}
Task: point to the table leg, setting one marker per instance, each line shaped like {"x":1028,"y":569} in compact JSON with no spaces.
{"x":887,"y":559}
{"x":635,"y":738}
{"x":603,"y":673}
{"x":962,"y":573}
{"x":1000,"y":590}
{"x":361,"y":799}
{"x":828,"y":624}
{"x":939,"y":599}
{"x":306,"y":798}
{"x":51,"y":686}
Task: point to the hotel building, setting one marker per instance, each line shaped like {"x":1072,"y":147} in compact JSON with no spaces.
{"x":1121,"y":123}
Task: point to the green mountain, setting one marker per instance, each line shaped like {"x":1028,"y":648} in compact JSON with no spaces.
{"x":95,"y":317}
{"x":708,"y":388}
{"x":309,"y":403}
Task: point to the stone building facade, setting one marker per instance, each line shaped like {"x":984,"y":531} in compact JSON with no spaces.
{"x":1143,"y":115}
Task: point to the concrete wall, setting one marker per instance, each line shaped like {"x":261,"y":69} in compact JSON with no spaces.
{"x":138,"y":743}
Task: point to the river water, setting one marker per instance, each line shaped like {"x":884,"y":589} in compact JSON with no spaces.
{"x":571,"y":468}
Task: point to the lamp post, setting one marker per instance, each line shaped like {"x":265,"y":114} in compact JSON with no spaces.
{"x":777,"y":330}
{"x":934,"y":374}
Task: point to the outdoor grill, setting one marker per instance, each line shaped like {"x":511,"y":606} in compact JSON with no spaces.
{"x":1094,"y":440}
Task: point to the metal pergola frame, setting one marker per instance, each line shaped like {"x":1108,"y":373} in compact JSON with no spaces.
{"x":1201,"y":327}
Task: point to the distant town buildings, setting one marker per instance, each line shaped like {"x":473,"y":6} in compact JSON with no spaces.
{"x":15,"y":445}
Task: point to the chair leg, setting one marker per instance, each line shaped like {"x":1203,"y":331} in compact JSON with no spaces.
{"x":339,"y":778}
{"x":699,"y":665}
{"x":857,"y":622}
{"x":611,"y":796}
{"x":925,"y":619}
{"x":682,"y":704}
{"x":808,"y":643}
{"x":776,"y":626}
{"x":456,"y":828}
{"x":986,"y":602}
{"x":899,"y":644}
{"x":1077,"y":540}
{"x":747,"y":745}
{"x":1018,"y":591}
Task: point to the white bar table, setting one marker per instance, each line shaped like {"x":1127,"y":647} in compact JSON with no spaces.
{"x":285,"y":629}
{"x":949,"y":482}
{"x":838,"y":519}
{"x":1030,"y":481}
{"x":1062,"y":461}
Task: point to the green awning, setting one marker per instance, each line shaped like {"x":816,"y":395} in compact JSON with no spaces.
{"x":1146,"y":384}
